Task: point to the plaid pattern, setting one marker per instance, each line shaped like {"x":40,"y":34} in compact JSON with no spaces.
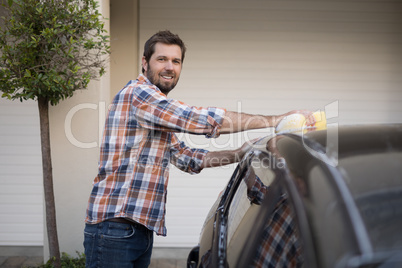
{"x":138,"y":145}
{"x":257,"y":192}
{"x":280,"y":245}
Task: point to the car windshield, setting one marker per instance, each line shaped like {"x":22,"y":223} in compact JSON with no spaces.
{"x":375,"y":181}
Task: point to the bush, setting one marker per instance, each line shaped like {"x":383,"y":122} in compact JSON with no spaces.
{"x":67,"y":261}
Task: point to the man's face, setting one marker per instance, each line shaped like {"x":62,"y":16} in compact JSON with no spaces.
{"x":164,"y":67}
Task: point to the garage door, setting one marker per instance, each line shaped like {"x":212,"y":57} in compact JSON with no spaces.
{"x":270,"y":57}
{"x":21,"y":201}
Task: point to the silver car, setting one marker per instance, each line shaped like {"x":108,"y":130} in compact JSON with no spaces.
{"x":330,"y":198}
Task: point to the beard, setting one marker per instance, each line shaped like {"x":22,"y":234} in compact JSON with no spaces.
{"x":164,"y":86}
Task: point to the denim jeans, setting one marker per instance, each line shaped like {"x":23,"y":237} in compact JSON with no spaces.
{"x":115,"y":244}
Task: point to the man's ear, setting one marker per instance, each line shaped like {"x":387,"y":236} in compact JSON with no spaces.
{"x":144,"y":63}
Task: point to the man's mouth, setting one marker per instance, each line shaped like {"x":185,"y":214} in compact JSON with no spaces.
{"x":167,"y":77}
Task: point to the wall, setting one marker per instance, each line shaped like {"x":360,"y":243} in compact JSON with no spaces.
{"x":124,"y":43}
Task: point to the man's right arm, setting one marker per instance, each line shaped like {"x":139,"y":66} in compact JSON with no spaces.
{"x":236,"y":122}
{"x":153,"y":110}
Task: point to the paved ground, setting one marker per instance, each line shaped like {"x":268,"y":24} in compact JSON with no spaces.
{"x":20,"y":257}
{"x":19,"y":262}
{"x":168,"y":263}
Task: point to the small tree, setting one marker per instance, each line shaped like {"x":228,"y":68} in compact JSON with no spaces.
{"x":49,"y":49}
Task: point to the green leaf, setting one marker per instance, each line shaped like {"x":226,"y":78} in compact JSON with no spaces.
{"x":27,"y":73}
{"x":6,"y":95}
{"x":29,"y":95}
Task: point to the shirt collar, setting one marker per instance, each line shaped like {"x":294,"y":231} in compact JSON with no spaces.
{"x":142,"y":79}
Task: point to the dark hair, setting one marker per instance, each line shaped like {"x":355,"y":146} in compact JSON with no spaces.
{"x":165,"y":37}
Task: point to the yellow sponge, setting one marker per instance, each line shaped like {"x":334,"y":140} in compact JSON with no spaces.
{"x":320,"y":120}
{"x":296,"y":123}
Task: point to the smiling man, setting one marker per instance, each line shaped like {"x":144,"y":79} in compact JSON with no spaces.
{"x":127,"y":202}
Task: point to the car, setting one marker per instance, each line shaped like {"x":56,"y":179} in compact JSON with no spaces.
{"x":328,"y":198}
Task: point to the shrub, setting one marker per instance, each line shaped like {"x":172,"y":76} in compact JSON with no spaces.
{"x":67,"y":261}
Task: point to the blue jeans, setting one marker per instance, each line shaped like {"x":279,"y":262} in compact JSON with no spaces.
{"x":115,"y":244}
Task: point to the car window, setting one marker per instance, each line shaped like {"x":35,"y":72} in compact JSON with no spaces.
{"x":247,"y":208}
{"x":375,"y":181}
{"x":242,"y":214}
{"x":279,"y":244}
{"x":328,"y":219}
{"x":242,"y":203}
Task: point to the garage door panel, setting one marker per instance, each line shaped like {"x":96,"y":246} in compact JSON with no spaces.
{"x":21,"y":199}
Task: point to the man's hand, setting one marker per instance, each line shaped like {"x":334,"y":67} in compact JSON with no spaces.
{"x":310,"y":119}
{"x":246,"y":147}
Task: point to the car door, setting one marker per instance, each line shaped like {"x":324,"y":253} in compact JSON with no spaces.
{"x":254,"y":224}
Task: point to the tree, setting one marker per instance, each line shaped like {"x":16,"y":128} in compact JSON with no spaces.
{"x":49,"y":49}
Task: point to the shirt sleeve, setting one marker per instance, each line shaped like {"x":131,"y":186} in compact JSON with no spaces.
{"x":184,"y":158}
{"x":154,"y":110}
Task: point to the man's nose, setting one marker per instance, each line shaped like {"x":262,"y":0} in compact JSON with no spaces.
{"x":169,"y":65}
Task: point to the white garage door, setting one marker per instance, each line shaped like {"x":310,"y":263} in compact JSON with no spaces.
{"x":270,"y":57}
{"x":21,"y":201}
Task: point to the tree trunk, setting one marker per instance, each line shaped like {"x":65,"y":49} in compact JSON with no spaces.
{"x":54,"y":250}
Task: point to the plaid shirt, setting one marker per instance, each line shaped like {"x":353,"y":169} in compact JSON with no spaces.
{"x":280,"y":245}
{"x":138,"y":145}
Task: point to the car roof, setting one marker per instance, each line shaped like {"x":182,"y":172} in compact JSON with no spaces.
{"x":362,"y":139}
{"x":337,"y":146}
{"x":369,"y":151}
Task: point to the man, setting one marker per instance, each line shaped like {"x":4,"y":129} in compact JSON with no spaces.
{"x":127,"y":203}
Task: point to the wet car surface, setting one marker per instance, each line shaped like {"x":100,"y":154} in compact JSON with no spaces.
{"x":330,"y":198}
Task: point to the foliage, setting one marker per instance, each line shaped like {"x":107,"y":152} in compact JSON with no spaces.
{"x":67,"y":261}
{"x":50,"y":48}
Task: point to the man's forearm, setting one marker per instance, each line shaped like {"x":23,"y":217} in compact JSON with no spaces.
{"x":236,"y":122}
{"x":222,"y":158}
